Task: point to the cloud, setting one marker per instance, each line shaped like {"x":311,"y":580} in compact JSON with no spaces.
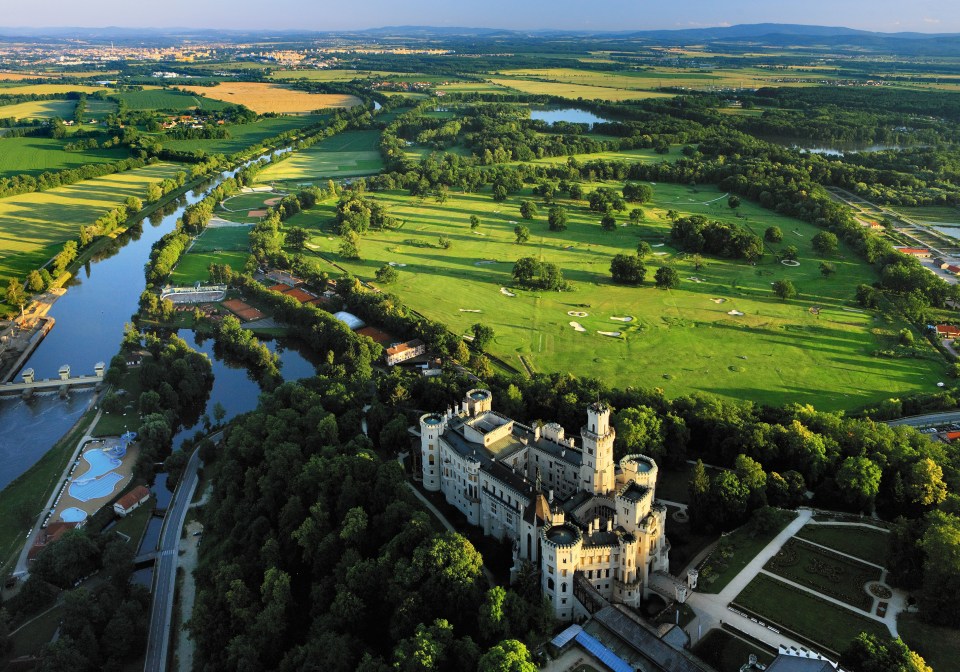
{"x":929,"y":20}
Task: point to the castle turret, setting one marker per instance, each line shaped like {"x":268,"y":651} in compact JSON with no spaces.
{"x":597,"y":473}
{"x":432,"y":425}
{"x":477,"y":401}
{"x":559,"y":560}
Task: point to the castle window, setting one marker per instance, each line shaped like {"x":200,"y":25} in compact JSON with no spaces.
{"x":563,"y":587}
{"x":431,"y":460}
{"x":563,"y":601}
{"x":550,"y":569}
{"x":563,"y":572}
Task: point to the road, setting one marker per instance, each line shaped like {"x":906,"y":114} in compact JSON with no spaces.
{"x":165,"y":568}
{"x":928,"y":420}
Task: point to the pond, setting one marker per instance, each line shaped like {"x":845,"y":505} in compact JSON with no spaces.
{"x":572,"y":115}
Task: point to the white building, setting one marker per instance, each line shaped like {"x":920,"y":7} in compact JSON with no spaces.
{"x":589,"y":524}
{"x":401,"y":352}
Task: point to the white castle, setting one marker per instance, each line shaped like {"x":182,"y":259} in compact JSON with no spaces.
{"x":591,"y":525}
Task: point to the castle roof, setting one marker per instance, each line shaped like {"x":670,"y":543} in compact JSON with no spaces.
{"x":633,"y":492}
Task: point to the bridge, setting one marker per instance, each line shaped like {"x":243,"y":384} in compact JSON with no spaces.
{"x":30,"y":384}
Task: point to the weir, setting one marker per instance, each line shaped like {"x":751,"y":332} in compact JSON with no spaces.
{"x":29,"y":385}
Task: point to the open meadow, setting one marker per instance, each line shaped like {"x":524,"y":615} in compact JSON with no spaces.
{"x":346,"y":154}
{"x":14,"y":88}
{"x":540,"y":87}
{"x":34,"y":226}
{"x":264,"y":97}
{"x":722,"y":331}
{"x":163,"y":99}
{"x":39,"y":109}
{"x":33,"y":156}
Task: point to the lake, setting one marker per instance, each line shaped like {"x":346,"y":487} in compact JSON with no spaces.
{"x":572,"y":115}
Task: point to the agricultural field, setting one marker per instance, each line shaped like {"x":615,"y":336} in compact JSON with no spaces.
{"x":162,"y":99}
{"x":34,"y":227}
{"x":722,"y":331}
{"x":245,"y":135}
{"x":347,"y":154}
{"x":932,"y":215}
{"x":33,"y":156}
{"x":575,"y":91}
{"x":820,"y":621}
{"x":12,"y":88}
{"x":262,"y":98}
{"x":331,"y":75}
{"x":99,"y":109}
{"x":39,"y":109}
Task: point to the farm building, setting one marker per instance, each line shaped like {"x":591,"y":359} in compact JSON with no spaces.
{"x":404,"y":351}
{"x":919,"y":252}
{"x":948,"y":331}
{"x":131,"y":500}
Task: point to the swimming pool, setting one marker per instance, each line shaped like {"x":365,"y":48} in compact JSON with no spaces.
{"x":100,"y":464}
{"x":73,"y":515}
{"x":94,"y":488}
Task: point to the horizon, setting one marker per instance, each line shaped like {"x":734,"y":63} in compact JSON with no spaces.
{"x":885,"y":16}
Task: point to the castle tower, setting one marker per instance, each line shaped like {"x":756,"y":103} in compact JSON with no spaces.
{"x":559,"y":560}
{"x":432,"y":425}
{"x":477,"y":401}
{"x":597,"y":473}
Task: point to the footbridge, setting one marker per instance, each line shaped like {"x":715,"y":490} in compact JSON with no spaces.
{"x":29,"y":384}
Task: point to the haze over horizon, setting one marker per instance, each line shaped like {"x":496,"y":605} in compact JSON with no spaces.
{"x":926,"y":16}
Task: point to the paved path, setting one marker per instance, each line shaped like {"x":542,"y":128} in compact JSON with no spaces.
{"x":447,"y":525}
{"x":20,"y":570}
{"x":189,"y":548}
{"x":711,"y":609}
{"x":928,"y":420}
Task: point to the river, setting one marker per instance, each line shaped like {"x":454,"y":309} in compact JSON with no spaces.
{"x":90,"y":319}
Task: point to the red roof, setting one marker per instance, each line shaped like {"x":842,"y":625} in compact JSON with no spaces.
{"x":403,"y":347}
{"x":948,"y":330}
{"x":953,"y":269}
{"x":133,"y":497}
{"x":48,"y":535}
{"x":951,"y":436}
{"x":913,"y":250}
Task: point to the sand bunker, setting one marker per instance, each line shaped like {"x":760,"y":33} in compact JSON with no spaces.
{"x":483,"y":262}
{"x":257,"y":213}
{"x":577,"y":313}
{"x":577,"y":326}
{"x":719,"y":300}
{"x":659,"y":254}
{"x":694,"y":278}
{"x":611,"y":334}
{"x":272,"y":201}
{"x":622,"y":319}
{"x":790,"y":262}
{"x":393,"y":263}
{"x":736,"y":313}
{"x":469,"y":310}
{"x":506,"y":292}
{"x":658,"y":245}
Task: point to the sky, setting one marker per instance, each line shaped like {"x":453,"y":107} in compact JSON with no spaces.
{"x":929,"y":16}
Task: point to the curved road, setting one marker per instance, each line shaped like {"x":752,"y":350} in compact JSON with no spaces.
{"x":165,"y":567}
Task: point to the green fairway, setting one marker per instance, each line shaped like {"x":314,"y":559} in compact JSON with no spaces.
{"x":680,"y":340}
{"x":223,"y":238}
{"x":820,"y":621}
{"x":245,"y":135}
{"x":866,"y":543}
{"x":34,"y":226}
{"x":33,"y":156}
{"x":162,"y":99}
{"x":344,"y":155}
{"x":39,"y":109}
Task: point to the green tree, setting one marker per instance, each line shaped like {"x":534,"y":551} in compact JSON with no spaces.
{"x":522,"y":233}
{"x":134,"y":204}
{"x":733,"y":202}
{"x":349,"y":248}
{"x":639,"y":430}
{"x":858,"y":480}
{"x":482,"y":335}
{"x":751,"y":474}
{"x":493,"y":623}
{"x":667,"y":277}
{"x":15,"y":295}
{"x":728,"y":500}
{"x":784,"y":289}
{"x":872,"y":653}
{"x":941,"y":570}
{"x":507,"y":656}
{"x":296,"y":238}
{"x":637,"y":192}
{"x":643,"y":249}
{"x":35,"y":282}
{"x":636,"y":216}
{"x":557,"y":218}
{"x":474,"y":222}
{"x":825,"y":243}
{"x":699,"y":489}
{"x":528,"y":209}
{"x":386,"y":274}
{"x":923,"y":483}
{"x":627,"y":269}
{"x":608,"y":222}
{"x":827,"y":269}
{"x":773,"y":234}
{"x":499,"y":193}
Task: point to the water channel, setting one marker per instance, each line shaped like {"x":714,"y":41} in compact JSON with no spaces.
{"x":90,"y":319}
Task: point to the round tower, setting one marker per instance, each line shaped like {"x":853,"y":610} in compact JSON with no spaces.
{"x":477,"y":401}
{"x":432,"y":426}
{"x":559,"y":559}
{"x":640,"y":469}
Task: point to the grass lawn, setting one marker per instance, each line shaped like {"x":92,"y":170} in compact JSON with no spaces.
{"x":134,"y":523}
{"x":822,"y":622}
{"x":682,"y":340}
{"x":115,"y":424}
{"x":23,"y":499}
{"x":33,"y":636}
{"x":727,"y":652}
{"x":827,"y":573}
{"x":162,"y":99}
{"x":34,"y":156}
{"x":34,"y":226}
{"x":245,"y":135}
{"x":193,"y":266}
{"x":739,"y":547}
{"x":939,"y":646}
{"x":346,"y":154}
{"x":235,"y":238}
{"x":38,"y":109}
{"x":865,"y":543}
{"x":99,"y":109}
